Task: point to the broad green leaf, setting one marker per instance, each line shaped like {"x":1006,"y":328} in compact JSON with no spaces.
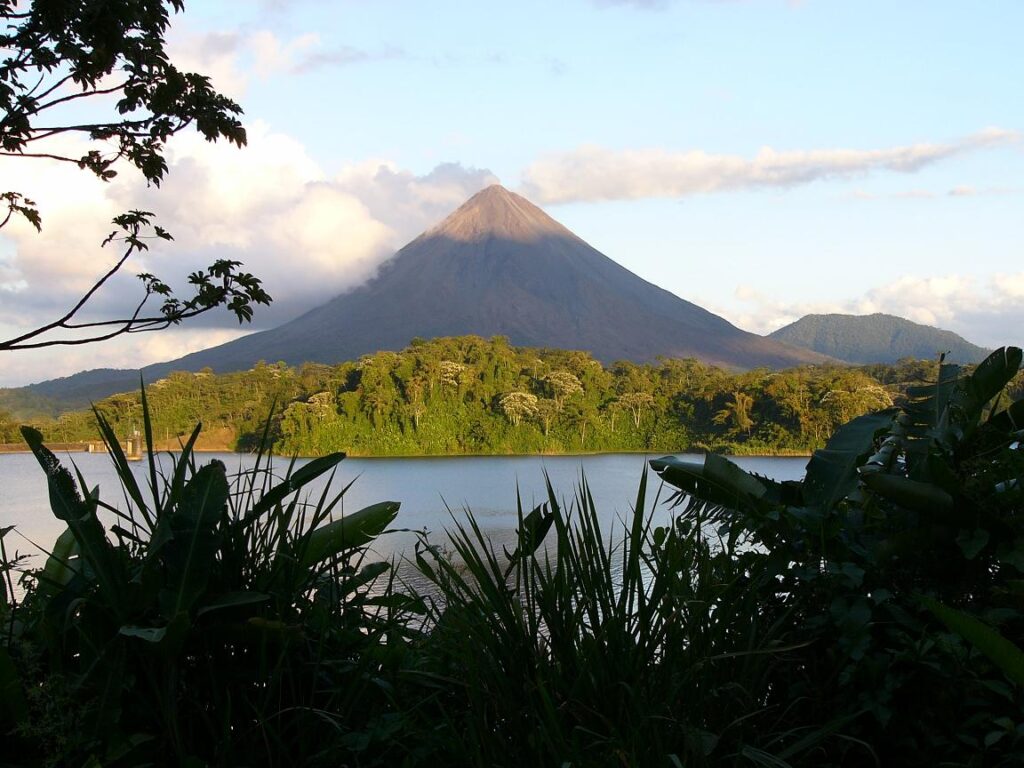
{"x":716,"y":480}
{"x":914,"y":495}
{"x":972,"y":542}
{"x":397,"y":601}
{"x":1009,"y":419}
{"x":65,"y":500}
{"x":1004,"y":654}
{"x":149,"y":634}
{"x":531,"y":532}
{"x":972,"y":393}
{"x":832,"y":471}
{"x":366,"y":574}
{"x":167,"y":638}
{"x":994,"y":373}
{"x":348,"y":532}
{"x":80,"y":515}
{"x":922,"y":412}
{"x":58,"y":570}
{"x":189,"y":556}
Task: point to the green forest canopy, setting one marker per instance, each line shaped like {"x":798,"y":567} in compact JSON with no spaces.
{"x":473,"y":395}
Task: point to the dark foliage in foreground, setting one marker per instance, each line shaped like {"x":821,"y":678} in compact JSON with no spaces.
{"x":218,"y":622}
{"x":899,"y":560}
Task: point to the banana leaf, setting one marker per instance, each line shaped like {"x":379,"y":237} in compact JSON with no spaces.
{"x":716,"y":480}
{"x":1004,"y":654}
{"x":1008,"y":420}
{"x":923,"y":409}
{"x":346,"y":533}
{"x":971,"y":394}
{"x":914,"y":495}
{"x":832,"y":472}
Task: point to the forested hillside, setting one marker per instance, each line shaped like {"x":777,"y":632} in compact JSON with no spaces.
{"x":471,"y":395}
{"x":877,"y":338}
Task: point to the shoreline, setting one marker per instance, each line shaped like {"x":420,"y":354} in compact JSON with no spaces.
{"x":11,"y":449}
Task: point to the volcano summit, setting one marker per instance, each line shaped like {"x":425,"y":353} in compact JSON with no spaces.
{"x":501,"y":266}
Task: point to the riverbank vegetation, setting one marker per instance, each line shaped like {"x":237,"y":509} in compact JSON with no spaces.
{"x":468,"y":395}
{"x":869,"y":614}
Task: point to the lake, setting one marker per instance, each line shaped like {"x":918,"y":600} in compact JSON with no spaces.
{"x":426,"y":487}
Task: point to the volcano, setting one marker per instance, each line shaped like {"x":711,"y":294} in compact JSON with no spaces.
{"x":501,"y":266}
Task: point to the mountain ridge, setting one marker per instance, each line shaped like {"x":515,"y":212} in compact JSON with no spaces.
{"x":876,"y":338}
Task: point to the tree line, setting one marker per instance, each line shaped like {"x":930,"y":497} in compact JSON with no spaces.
{"x":467,"y":394}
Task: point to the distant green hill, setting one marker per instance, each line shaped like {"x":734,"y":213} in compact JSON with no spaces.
{"x":876,"y":338}
{"x":71,"y":393}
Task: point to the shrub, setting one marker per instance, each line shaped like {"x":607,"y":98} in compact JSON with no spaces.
{"x":217,"y":622}
{"x":899,"y":559}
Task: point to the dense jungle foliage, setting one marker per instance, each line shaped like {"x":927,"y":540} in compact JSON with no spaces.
{"x":472,"y":395}
{"x":871,"y":613}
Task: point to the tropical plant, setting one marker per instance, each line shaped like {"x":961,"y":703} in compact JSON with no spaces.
{"x":562,"y":385}
{"x":214,"y":622}
{"x":906,"y":515}
{"x":737,"y":412}
{"x":400,"y":404}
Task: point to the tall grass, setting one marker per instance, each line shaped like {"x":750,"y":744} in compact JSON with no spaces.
{"x":629,"y":647}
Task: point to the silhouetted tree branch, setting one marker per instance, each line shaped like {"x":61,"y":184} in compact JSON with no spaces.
{"x":60,"y":53}
{"x":220,"y":285}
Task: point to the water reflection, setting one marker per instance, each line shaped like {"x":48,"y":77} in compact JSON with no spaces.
{"x":433,"y":492}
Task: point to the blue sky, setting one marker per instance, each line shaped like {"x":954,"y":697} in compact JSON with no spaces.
{"x":761,"y":158}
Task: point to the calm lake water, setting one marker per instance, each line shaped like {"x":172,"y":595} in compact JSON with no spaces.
{"x":430,"y":490}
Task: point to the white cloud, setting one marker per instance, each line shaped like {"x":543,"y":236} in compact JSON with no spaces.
{"x":273,"y":56}
{"x":307,"y":233}
{"x":986,"y":311}
{"x":593,"y":173}
{"x":232,"y":60}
